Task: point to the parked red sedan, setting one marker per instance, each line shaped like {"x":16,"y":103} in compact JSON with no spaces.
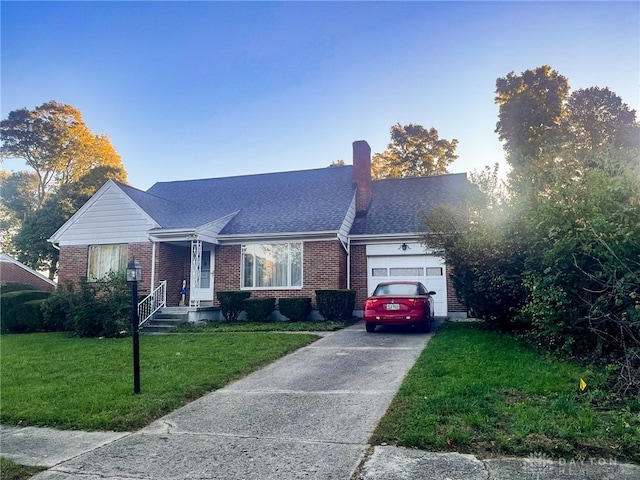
{"x":399,"y":303}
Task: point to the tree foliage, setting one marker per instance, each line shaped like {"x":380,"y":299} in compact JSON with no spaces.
{"x":558,"y":251}
{"x":54,"y":141}
{"x":584,"y":265}
{"x":530,"y":119}
{"x":68,"y":164}
{"x":601,"y":127}
{"x":414,"y":151}
{"x":18,"y":199}
{"x":484,"y":249}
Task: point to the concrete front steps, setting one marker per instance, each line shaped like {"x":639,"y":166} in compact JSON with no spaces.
{"x":165,"y":320}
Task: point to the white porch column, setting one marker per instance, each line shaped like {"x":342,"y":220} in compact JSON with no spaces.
{"x":153,"y":265}
{"x":196,"y":265}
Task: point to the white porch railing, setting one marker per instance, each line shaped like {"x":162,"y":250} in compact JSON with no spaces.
{"x":153,"y":302}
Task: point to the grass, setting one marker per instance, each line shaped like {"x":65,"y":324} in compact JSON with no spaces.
{"x":224,"y":326}
{"x":54,"y":380}
{"x":479,"y":392}
{"x":12,"y":471}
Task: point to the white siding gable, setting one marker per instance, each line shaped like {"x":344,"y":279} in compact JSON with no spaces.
{"x":109,"y":217}
{"x":345,"y":228}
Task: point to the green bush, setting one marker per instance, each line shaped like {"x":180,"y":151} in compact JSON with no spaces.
{"x":91,"y":309}
{"x":296,"y":309}
{"x":258,"y":309}
{"x":16,"y":318}
{"x":11,"y":299}
{"x":56,"y":308}
{"x":23,"y":318}
{"x":231,"y":303}
{"x":336,"y":304}
{"x":6,"y":287}
{"x":101,"y":309}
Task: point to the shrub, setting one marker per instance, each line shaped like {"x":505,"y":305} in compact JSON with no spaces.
{"x":295,"y":309}
{"x":336,"y":304}
{"x":6,"y":287}
{"x":16,"y":318}
{"x":23,"y":318}
{"x":90,"y":309}
{"x":258,"y":309}
{"x":101,"y":309}
{"x":56,"y":308}
{"x":231,"y":303}
{"x":11,"y":299}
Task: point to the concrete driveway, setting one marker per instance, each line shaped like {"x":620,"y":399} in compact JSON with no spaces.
{"x":308,"y":415}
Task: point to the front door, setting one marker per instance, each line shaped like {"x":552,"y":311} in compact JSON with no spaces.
{"x":205,"y":294}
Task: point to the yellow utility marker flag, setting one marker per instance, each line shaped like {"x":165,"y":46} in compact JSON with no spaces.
{"x":583,"y":385}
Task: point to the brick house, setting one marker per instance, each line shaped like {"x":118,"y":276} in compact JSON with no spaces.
{"x":279,"y":234}
{"x":13,"y":271}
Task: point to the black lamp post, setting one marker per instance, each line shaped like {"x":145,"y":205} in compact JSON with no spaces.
{"x":134,"y":275}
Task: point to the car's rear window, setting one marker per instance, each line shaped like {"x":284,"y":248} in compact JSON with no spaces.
{"x":396,"y":289}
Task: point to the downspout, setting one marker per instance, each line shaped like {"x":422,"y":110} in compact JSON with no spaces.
{"x":347,"y":249}
{"x":348,"y":263}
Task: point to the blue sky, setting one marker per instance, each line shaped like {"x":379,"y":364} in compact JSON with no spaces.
{"x":209,"y":89}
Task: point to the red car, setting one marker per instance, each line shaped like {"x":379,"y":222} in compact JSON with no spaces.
{"x":399,"y":303}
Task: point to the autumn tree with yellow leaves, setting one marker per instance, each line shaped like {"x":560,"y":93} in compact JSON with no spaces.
{"x":66,"y":163}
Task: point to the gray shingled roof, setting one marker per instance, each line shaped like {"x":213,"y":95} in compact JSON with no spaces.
{"x":300,"y":201}
{"x":395,"y":202}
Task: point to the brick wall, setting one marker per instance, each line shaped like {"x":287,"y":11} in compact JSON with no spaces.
{"x":324,"y":267}
{"x":141,"y":252}
{"x":10,"y":272}
{"x":72,"y":263}
{"x":227,"y":269}
{"x":173,"y":264}
{"x":359,"y":274}
{"x":453,"y":303}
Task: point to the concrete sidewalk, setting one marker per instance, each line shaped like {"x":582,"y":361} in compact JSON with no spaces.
{"x":307,"y":415}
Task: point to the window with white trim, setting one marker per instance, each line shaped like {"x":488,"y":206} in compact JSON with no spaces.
{"x":106,"y":258}
{"x":272,"y":265}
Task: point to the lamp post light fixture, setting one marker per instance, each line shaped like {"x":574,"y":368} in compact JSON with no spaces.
{"x":134,"y":275}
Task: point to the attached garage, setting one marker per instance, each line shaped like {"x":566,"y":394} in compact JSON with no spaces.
{"x":408,"y":262}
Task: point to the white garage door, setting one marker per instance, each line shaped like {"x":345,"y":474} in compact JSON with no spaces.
{"x":428,"y":269}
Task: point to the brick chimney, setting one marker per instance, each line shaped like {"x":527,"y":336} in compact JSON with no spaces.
{"x":362,"y":175}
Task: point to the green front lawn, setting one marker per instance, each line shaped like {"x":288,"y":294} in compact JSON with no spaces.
{"x":479,"y":392}
{"x":53,"y":380}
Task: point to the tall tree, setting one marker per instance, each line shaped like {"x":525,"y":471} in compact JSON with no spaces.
{"x":56,"y":143}
{"x":414,"y":151}
{"x":601,"y":127}
{"x":530,"y":122}
{"x":18,"y":199}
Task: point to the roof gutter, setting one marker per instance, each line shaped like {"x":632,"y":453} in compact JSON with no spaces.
{"x":283,"y":236}
{"x":385,"y":238}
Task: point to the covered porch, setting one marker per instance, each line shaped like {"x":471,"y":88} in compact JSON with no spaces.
{"x":182,"y":279}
